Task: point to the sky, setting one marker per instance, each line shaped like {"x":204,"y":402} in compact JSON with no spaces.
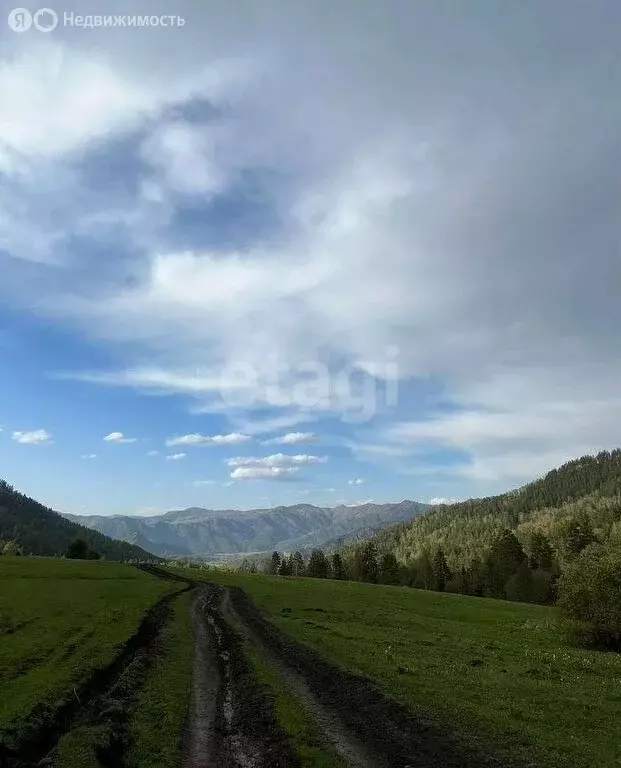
{"x":307,"y":252}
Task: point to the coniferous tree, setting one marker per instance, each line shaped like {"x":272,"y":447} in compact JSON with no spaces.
{"x":578,"y":535}
{"x":425,"y":576}
{"x":476,"y":577}
{"x":273,"y":565}
{"x":543,"y":587}
{"x":504,"y":559}
{"x":459,"y":583}
{"x":318,"y":565}
{"x":441,"y":572}
{"x":519,"y":587}
{"x":388,"y":569}
{"x":367,"y":564}
{"x":541,"y":552}
{"x":298,"y":566}
{"x":338,"y":567}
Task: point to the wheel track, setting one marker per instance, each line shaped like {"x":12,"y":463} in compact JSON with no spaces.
{"x":331,"y":731}
{"x":91,"y":700}
{"x":231,"y":722}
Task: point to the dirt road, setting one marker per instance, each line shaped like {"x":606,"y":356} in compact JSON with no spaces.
{"x":232,"y":723}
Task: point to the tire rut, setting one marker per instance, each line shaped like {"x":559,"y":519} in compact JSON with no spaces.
{"x":333,"y":734}
{"x":231,"y":722}
{"x":106,"y":691}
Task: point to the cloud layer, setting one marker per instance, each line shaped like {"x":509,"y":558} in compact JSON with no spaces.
{"x":234,"y":438}
{"x":439,"y":210}
{"x":278,"y":466}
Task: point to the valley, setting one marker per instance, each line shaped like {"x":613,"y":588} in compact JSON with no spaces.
{"x":379,"y":653}
{"x":214,"y":668}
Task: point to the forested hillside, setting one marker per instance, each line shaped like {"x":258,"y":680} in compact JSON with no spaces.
{"x":33,"y":529}
{"x":589,"y":487}
{"x":513,"y":546}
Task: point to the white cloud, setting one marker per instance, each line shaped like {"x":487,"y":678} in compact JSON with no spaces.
{"x":199,"y":483}
{"x":34,"y":437}
{"x":276,"y":467}
{"x":360,"y":503}
{"x":283,"y":421}
{"x":437,"y":500}
{"x":357,"y":481}
{"x":176,"y":456}
{"x":378,"y":452}
{"x":56,"y":100}
{"x":292,"y":438}
{"x":234,"y":438}
{"x":118,"y":437}
{"x":186,"y":158}
{"x":277,"y":460}
{"x":89,"y":456}
{"x":263,"y":473}
{"x":152,"y":453}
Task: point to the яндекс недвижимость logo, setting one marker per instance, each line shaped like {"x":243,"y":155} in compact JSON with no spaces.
{"x":21,"y":20}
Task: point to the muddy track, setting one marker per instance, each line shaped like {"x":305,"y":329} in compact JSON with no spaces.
{"x":101,"y":699}
{"x":360,"y":722}
{"x":162,"y":573}
{"x":231,"y":722}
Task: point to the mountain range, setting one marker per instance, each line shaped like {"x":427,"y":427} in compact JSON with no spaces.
{"x":210,"y":533}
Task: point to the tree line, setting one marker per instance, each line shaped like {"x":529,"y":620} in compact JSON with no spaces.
{"x":507,"y":572}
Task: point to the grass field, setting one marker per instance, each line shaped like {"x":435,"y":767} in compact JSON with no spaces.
{"x":59,"y":621}
{"x":499,"y":672}
{"x":158,"y":721}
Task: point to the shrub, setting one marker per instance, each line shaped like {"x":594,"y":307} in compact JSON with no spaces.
{"x":589,"y":592}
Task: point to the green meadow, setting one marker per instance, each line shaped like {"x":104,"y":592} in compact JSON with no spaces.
{"x":497,"y":672}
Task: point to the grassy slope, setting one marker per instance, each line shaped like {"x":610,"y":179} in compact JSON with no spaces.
{"x":59,"y":620}
{"x":496,"y":669}
{"x":157,"y":723}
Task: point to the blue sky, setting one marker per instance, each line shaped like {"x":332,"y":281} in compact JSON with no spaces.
{"x":313,"y":255}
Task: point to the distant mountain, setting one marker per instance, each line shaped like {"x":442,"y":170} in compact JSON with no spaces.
{"x":207,"y":532}
{"x":39,"y":530}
